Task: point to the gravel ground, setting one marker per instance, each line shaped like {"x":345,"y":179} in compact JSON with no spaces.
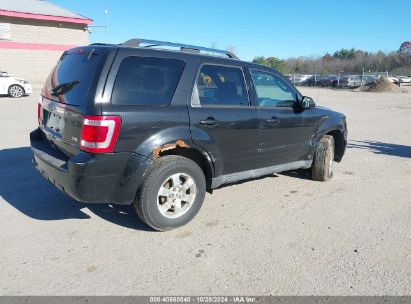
{"x":279,"y":235}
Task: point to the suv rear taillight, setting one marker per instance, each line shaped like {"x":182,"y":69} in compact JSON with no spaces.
{"x":99,"y":133}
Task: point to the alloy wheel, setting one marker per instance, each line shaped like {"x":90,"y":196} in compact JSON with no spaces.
{"x":176,"y":195}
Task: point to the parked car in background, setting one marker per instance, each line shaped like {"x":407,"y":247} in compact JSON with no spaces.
{"x":394,"y":80}
{"x":344,"y":81}
{"x":310,"y":81}
{"x":405,"y":79}
{"x":369,"y":79}
{"x":355,"y":81}
{"x":299,"y":79}
{"x":327,"y":81}
{"x":14,"y":87}
{"x":350,"y":81}
{"x":320,"y":80}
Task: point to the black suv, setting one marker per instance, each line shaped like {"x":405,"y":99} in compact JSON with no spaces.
{"x":157,"y":124}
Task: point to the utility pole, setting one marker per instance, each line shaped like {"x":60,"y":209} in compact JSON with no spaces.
{"x":362,"y":77}
{"x":105,"y":26}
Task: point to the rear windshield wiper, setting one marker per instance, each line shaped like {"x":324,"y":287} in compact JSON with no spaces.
{"x":64,"y":87}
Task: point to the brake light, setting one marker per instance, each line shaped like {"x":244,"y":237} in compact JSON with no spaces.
{"x":99,"y":133}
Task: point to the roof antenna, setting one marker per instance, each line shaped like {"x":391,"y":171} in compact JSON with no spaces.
{"x":105,"y":26}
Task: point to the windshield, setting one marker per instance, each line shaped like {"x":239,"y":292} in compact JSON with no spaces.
{"x":74,"y":77}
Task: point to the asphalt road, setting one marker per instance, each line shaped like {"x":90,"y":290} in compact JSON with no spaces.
{"x":279,"y":235}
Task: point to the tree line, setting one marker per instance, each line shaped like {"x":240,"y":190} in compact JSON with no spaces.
{"x":345,"y":61}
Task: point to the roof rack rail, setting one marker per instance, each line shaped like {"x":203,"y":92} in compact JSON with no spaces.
{"x":146,"y":43}
{"x":99,"y":43}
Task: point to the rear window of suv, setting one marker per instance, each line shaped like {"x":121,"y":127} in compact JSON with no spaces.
{"x":146,"y":81}
{"x":71,"y":81}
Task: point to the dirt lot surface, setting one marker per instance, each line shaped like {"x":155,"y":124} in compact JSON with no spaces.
{"x":280,"y":235}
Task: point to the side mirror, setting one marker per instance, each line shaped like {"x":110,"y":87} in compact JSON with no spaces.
{"x":307,"y":103}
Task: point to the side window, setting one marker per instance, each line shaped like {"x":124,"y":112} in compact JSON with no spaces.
{"x":220,"y":85}
{"x":146,"y":81}
{"x":272,"y":91}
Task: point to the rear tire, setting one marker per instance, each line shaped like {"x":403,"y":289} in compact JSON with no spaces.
{"x":322,"y":167}
{"x":16,"y":91}
{"x":171,"y":194}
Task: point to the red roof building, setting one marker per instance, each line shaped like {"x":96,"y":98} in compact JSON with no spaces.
{"x":34,"y":33}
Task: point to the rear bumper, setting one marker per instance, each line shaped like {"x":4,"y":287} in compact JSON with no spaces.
{"x":89,"y":178}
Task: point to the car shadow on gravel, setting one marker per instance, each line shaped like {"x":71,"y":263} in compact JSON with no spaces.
{"x":377,"y":147}
{"x":299,"y":173}
{"x":23,"y":188}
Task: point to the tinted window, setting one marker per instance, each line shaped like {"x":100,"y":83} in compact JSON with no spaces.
{"x":79,"y":67}
{"x":272,"y":91}
{"x":146,"y":81}
{"x":220,"y":85}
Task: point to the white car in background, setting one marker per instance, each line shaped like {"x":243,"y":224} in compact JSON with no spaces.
{"x":14,"y":87}
{"x":394,"y":80}
{"x":405,"y":79}
{"x":299,"y":79}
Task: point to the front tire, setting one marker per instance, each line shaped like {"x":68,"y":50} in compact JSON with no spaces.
{"x":322,"y":168}
{"x":171,"y":194}
{"x":16,"y":91}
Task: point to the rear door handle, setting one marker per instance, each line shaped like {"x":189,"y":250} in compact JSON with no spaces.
{"x":273,"y":120}
{"x":209,"y":121}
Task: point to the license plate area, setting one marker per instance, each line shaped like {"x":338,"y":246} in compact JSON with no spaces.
{"x":54,"y":122}
{"x":53,"y":119}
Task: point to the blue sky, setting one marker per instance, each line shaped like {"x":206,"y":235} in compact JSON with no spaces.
{"x":256,"y":27}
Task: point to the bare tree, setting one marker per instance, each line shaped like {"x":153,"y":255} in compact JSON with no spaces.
{"x":351,"y":62}
{"x":213,"y":45}
{"x":232,"y":49}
